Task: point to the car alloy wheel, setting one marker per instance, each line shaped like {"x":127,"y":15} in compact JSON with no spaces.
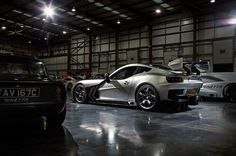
{"x":80,"y":94}
{"x":147,"y":97}
{"x":231,"y":95}
{"x":230,"y":92}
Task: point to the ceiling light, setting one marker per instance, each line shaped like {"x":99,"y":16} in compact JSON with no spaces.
{"x":73,"y":9}
{"x":158,"y":11}
{"x":4,"y":28}
{"x":64,"y":32}
{"x":232,"y":21}
{"x":29,"y":42}
{"x":212,"y":1}
{"x":44,"y":19}
{"x":118,"y":22}
{"x":48,"y":11}
{"x":88,"y":29}
{"x":22,"y":26}
{"x":45,"y":38}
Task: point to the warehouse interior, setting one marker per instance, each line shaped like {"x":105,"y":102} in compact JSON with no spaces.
{"x":90,"y":40}
{"x":87,"y":38}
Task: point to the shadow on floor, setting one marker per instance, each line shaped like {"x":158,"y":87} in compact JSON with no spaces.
{"x":34,"y":138}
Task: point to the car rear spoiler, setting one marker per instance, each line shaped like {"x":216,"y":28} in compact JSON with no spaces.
{"x":179,"y":64}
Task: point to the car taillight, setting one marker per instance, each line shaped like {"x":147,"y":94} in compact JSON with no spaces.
{"x":174,"y":79}
{"x":57,"y":94}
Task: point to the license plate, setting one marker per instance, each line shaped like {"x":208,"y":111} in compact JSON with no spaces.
{"x":19,"y":92}
{"x":191,"y":92}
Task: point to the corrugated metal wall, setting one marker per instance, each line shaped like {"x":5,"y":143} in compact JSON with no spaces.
{"x":215,"y":41}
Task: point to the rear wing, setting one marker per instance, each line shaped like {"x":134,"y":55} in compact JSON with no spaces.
{"x":180,"y":65}
{"x":190,"y":69}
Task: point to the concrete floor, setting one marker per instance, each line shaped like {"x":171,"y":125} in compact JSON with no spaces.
{"x":98,"y":130}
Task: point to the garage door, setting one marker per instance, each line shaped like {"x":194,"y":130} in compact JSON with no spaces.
{"x":223,"y":55}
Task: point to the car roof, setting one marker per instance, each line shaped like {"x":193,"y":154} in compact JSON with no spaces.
{"x":136,"y":65}
{"x":154,"y":66}
{"x":17,"y":57}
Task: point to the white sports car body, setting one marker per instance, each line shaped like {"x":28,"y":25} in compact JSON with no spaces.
{"x":139,"y":85}
{"x":219,"y":85}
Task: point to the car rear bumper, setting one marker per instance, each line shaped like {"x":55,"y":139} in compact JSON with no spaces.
{"x":28,"y":110}
{"x":179,"y":92}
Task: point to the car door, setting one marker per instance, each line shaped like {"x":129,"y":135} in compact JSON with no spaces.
{"x":119,"y":87}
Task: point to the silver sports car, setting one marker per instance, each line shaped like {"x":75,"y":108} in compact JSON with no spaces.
{"x":139,"y":85}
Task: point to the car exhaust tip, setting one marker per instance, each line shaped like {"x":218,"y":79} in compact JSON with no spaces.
{"x":131,"y":103}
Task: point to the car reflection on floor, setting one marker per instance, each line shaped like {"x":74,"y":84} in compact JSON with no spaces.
{"x":35,"y":139}
{"x":101,"y":130}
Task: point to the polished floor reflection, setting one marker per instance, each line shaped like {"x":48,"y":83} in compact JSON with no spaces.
{"x":207,"y":129}
{"x":98,"y":130}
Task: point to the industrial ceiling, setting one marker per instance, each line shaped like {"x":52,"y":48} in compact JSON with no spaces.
{"x":26,"y":18}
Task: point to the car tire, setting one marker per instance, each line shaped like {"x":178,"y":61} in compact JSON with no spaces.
{"x":147,"y":97}
{"x":230,"y":92}
{"x":56,"y":119}
{"x":80,"y":94}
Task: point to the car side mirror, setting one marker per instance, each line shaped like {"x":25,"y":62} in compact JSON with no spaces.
{"x":107,"y":78}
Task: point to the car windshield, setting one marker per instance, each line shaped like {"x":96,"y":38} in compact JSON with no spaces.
{"x":28,"y":68}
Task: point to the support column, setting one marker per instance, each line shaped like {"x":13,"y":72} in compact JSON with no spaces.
{"x":194,"y":38}
{"x":150,"y":43}
{"x":69,"y":57}
{"x":116,"y":50}
{"x":90,"y":54}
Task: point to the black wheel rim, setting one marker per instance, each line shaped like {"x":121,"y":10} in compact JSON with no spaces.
{"x":231,"y":95}
{"x":79,"y":93}
{"x":146,"y":97}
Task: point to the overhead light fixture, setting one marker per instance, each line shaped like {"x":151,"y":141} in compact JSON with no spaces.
{"x":45,"y":38}
{"x":88,"y":29}
{"x":232,"y":21}
{"x":4,"y":28}
{"x":64,"y":32}
{"x":73,"y":9}
{"x":118,"y":21}
{"x":212,"y":1}
{"x":48,"y":11}
{"x":29,"y":42}
{"x":158,"y":11}
{"x":22,"y":26}
{"x":186,"y":22}
{"x":44,"y":19}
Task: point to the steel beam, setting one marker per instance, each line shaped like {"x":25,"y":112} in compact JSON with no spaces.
{"x":194,"y":38}
{"x":69,"y":57}
{"x":150,"y":43}
{"x":90,"y":54}
{"x":116,"y":49}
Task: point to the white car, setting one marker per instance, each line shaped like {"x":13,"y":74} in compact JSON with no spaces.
{"x":219,"y":85}
{"x":215,"y":84}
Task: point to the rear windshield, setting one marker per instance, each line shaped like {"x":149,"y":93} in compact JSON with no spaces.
{"x":27,"y":68}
